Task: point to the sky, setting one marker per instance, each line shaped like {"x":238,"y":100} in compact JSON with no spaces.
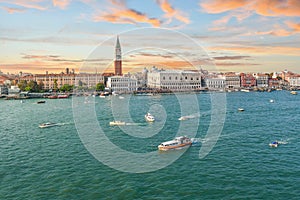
{"x":219,"y":35}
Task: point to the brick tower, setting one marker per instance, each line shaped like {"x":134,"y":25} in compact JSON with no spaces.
{"x":118,"y":59}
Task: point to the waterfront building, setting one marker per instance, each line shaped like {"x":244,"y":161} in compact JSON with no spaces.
{"x":262,"y":80}
{"x":118,"y":59}
{"x":274,"y":83}
{"x":3,"y":90}
{"x":232,"y":81}
{"x":215,"y":83}
{"x":121,"y":84}
{"x":295,"y":81}
{"x":174,"y":80}
{"x":88,"y":80}
{"x":247,"y":80}
{"x":51,"y":81}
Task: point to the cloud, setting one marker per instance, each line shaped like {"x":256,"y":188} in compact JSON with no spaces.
{"x":231,"y":57}
{"x":294,"y":26}
{"x":33,"y":4}
{"x":172,"y":13}
{"x":261,"y":7}
{"x":13,"y":10}
{"x":120,"y":13}
{"x":62,"y":4}
{"x":259,"y":50}
{"x":219,"y":6}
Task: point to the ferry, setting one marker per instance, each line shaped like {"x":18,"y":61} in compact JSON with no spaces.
{"x":178,"y":142}
{"x":48,"y":124}
{"x":149,"y":117}
{"x":274,"y":144}
{"x":117,"y":123}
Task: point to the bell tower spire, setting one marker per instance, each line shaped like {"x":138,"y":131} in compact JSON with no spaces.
{"x":118,"y":58}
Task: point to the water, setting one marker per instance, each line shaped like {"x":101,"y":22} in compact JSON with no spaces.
{"x":52,"y":163}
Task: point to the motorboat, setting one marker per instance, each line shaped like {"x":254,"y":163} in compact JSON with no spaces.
{"x":39,"y":102}
{"x":48,"y":124}
{"x":241,"y":109}
{"x":117,"y":123}
{"x":274,"y":144}
{"x":271,"y":100}
{"x":149,"y":117}
{"x":62,"y":96}
{"x":182,"y":118}
{"x":176,"y":143}
{"x":294,"y":92}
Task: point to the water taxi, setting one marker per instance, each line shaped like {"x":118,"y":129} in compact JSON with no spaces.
{"x":48,"y":124}
{"x":274,"y":144}
{"x":149,"y":117}
{"x":117,"y":123}
{"x":178,"y":142}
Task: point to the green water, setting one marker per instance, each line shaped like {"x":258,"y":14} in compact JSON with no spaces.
{"x":53,"y":163}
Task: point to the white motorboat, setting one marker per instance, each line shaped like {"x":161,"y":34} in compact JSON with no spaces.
{"x":117,"y":123}
{"x":176,"y":143}
{"x":241,"y":109}
{"x":274,"y":144}
{"x":271,"y":100}
{"x":149,"y":117}
{"x":182,"y":118}
{"x":48,"y":124}
{"x":294,"y":92}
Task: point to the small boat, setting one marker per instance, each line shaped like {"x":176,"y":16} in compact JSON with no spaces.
{"x":48,"y":124}
{"x":149,"y":117}
{"x":39,"y":102}
{"x":241,"y":109}
{"x":294,"y":92}
{"x":117,"y":123}
{"x":120,"y":97}
{"x":274,"y":144}
{"x":178,"y":142}
{"x":182,"y":118}
{"x":62,"y":96}
{"x":52,"y":97}
{"x":271,"y":101}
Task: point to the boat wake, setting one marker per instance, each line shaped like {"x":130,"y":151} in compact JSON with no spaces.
{"x":135,"y":124}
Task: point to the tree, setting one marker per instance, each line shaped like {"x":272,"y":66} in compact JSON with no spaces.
{"x":41,"y":86}
{"x":100,"y":87}
{"x":22,"y":85}
{"x":33,"y":86}
{"x":55,"y":85}
{"x":66,"y":88}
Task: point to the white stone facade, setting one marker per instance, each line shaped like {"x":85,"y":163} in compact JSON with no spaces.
{"x":174,"y":80}
{"x":122,"y":84}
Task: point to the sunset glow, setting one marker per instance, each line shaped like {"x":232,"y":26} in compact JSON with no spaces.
{"x":237,"y":35}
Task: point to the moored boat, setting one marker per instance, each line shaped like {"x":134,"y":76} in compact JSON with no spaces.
{"x":117,"y":123}
{"x":62,"y":96}
{"x":178,"y":142}
{"x":149,"y":117}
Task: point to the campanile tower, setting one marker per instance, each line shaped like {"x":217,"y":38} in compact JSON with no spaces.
{"x":118,"y":59}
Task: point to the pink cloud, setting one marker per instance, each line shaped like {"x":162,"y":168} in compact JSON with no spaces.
{"x":62,"y":4}
{"x":13,"y":10}
{"x":171,"y":12}
{"x":119,"y":13}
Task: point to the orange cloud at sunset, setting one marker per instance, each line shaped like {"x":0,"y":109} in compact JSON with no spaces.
{"x":13,"y":10}
{"x":171,"y":12}
{"x":62,"y":4}
{"x":261,"y":7}
{"x":119,"y":13}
